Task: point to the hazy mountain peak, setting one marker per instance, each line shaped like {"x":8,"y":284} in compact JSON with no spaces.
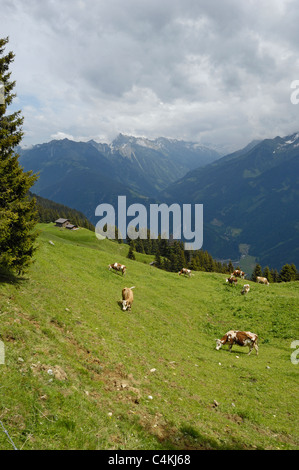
{"x":291,"y":140}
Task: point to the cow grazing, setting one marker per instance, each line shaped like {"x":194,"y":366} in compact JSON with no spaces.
{"x":239,"y":273}
{"x":262,"y":280}
{"x":232,"y":281}
{"x":242,"y":338}
{"x":185,"y":271}
{"x":118,"y":267}
{"x":127,"y":298}
{"x":246,"y":289}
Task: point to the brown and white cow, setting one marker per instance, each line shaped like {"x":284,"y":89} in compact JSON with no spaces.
{"x":246,"y":289}
{"x":118,"y":267}
{"x":262,"y":280}
{"x":127,"y":298}
{"x":239,"y":273}
{"x":232,"y":280}
{"x":242,"y":338}
{"x":185,"y":271}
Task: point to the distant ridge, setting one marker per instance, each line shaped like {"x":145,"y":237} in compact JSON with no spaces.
{"x":250,"y":197}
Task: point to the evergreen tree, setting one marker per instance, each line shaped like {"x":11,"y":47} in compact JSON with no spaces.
{"x":158,"y":259}
{"x":147,"y":243}
{"x":131,"y":255}
{"x":225,"y":268}
{"x":166,"y":265}
{"x":256,"y":272}
{"x":267,"y":274}
{"x":207,"y":262}
{"x":194,"y":263}
{"x":230,"y":267}
{"x":286,"y":274}
{"x":17,"y":212}
{"x":294,"y":272}
{"x":182,"y":260}
{"x":163,"y":246}
{"x":174,"y":262}
{"x":139,"y":245}
{"x":274,"y":275}
{"x":118,"y":236}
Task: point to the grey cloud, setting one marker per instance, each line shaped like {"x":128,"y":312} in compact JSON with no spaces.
{"x":186,"y":69}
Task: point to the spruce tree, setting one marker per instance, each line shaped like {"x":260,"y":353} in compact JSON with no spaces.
{"x":230,"y":267}
{"x":130,"y":254}
{"x":256,"y":272}
{"x":267,"y":274}
{"x":17,"y":211}
{"x":275,"y":275}
{"x":286,"y":273}
{"x":294,"y":272}
{"x":158,"y":259}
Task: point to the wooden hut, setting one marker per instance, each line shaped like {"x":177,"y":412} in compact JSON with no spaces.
{"x":61,"y":222}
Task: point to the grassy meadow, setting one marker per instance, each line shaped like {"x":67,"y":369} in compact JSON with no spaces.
{"x":80,"y":373}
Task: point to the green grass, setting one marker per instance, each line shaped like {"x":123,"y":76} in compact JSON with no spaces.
{"x":79,"y":372}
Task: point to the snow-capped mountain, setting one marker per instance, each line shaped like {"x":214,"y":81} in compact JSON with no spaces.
{"x":83,"y":174}
{"x":187,"y":155}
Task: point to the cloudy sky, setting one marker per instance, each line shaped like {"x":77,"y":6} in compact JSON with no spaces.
{"x":213,"y":71}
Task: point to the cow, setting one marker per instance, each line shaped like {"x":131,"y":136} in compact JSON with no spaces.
{"x":232,"y":280}
{"x":185,"y":271}
{"x":239,"y":273}
{"x":127,"y":298}
{"x":118,"y":267}
{"x":242,"y":338}
{"x":262,"y":280}
{"x":246,"y":289}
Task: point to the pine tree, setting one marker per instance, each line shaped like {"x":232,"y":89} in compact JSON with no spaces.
{"x":267,"y":274}
{"x":230,"y":267}
{"x":158,"y":259}
{"x":194,"y":263}
{"x":17,"y":212}
{"x":286,"y":273}
{"x":256,"y":272}
{"x":274,"y":275}
{"x":131,"y":255}
{"x":294,"y":272}
{"x":182,"y":260}
{"x":174,"y":262}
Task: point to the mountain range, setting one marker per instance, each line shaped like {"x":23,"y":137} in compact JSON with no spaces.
{"x":250,"y":197}
{"x":250,"y":200}
{"x":82,"y":175}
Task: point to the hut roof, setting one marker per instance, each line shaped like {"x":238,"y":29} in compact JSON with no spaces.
{"x":61,"y":221}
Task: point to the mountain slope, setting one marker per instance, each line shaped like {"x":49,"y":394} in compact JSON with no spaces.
{"x":75,"y":174}
{"x":80,"y":373}
{"x":49,"y":211}
{"x":250,"y":197}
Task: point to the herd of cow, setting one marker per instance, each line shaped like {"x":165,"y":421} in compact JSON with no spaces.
{"x":238,"y":273}
{"x":242,"y":338}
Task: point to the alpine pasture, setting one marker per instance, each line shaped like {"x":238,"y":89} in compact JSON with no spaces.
{"x":80,"y":373}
